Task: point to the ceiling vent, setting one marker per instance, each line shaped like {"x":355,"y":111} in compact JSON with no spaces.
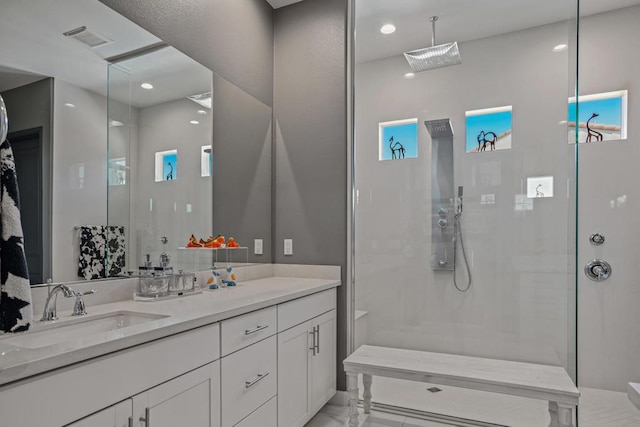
{"x":89,"y":38}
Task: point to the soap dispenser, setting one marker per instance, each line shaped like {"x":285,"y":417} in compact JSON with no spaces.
{"x":165,"y":259}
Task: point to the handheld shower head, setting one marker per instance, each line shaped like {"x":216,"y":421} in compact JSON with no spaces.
{"x":433,"y":57}
{"x":459,"y":202}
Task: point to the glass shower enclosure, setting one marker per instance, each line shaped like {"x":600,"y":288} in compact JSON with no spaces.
{"x":477,"y":188}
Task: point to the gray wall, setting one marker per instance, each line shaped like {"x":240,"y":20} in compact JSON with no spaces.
{"x":311,"y":140}
{"x":28,"y":107}
{"x":242,"y":167}
{"x":231,"y":37}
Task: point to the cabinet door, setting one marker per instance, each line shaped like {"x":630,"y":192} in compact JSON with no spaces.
{"x":323,"y":364}
{"x":192,"y":399}
{"x":114,"y":416}
{"x":294,"y":364}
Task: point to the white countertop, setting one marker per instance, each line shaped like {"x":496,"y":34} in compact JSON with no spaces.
{"x":184,"y":313}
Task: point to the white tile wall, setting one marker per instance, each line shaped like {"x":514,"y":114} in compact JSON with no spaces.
{"x":521,"y":301}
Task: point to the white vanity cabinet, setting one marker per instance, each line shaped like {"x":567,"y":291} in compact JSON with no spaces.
{"x":70,"y":394}
{"x":272,"y":367}
{"x":306,"y":357}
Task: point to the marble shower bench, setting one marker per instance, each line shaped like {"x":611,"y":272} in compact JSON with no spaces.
{"x":550,"y":383}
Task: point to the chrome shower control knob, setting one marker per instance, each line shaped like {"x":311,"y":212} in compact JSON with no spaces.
{"x":597,"y":270}
{"x":442,"y":223}
{"x":596,"y":239}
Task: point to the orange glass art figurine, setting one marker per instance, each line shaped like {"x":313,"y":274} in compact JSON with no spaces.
{"x":193,"y":243}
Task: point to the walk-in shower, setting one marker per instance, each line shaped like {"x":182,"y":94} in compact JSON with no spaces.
{"x":524,"y":226}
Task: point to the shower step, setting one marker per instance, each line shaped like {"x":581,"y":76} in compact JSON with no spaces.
{"x":633,"y":391}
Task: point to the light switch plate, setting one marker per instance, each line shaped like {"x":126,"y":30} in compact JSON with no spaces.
{"x":257,"y":247}
{"x":288,"y":246}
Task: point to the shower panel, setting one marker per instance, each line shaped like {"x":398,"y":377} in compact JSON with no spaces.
{"x":442,"y":195}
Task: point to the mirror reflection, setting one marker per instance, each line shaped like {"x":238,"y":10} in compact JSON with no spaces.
{"x":159,"y":141}
{"x":112,"y":131}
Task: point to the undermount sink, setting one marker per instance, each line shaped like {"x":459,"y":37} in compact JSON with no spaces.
{"x":78,"y":328}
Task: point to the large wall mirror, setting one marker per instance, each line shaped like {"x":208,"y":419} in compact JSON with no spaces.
{"x":116,"y":135}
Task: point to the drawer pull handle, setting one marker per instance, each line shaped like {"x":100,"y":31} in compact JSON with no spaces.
{"x":256,"y":329}
{"x":249,"y":384}
{"x":313,"y":346}
{"x":318,"y":339}
{"x":146,"y":419}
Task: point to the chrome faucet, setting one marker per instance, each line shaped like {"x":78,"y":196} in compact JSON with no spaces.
{"x":50,"y":312}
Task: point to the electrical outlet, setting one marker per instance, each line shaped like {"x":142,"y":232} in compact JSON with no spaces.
{"x":257,"y":247}
{"x":288,"y":246}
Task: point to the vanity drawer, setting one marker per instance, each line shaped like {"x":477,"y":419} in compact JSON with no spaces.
{"x":294,"y":312}
{"x":265,"y":416}
{"x":241,"y":331}
{"x":249,"y":379}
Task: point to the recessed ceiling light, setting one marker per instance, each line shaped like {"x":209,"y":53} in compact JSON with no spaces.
{"x":388,"y":29}
{"x":146,"y":86}
{"x":409,"y":75}
{"x":560,"y":48}
{"x":202,"y":112}
{"x":70,"y":105}
{"x":194,"y":122}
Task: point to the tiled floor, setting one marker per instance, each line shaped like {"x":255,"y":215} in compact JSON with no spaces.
{"x":336,"y":416}
{"x":598,"y":408}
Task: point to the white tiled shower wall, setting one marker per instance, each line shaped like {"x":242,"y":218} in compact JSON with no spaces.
{"x":522,"y":303}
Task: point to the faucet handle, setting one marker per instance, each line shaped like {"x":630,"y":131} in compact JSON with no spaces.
{"x":79,"y":307}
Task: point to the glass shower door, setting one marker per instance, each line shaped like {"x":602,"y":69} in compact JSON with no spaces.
{"x":465,"y":197}
{"x":608,"y":314}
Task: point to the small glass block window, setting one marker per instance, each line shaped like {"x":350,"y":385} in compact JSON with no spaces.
{"x":206,"y":161}
{"x":398,"y":139}
{"x":166,"y":165}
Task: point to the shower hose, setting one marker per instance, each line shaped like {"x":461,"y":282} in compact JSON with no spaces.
{"x":457,"y":231}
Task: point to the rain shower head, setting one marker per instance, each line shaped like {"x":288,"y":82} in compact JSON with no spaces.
{"x":434,"y":57}
{"x":440,"y":128}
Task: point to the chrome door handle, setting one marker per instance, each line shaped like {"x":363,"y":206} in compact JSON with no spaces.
{"x":598,"y":270}
{"x":249,"y":384}
{"x":313,"y":346}
{"x":146,"y":419}
{"x":318,"y":339}
{"x":256,"y":329}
